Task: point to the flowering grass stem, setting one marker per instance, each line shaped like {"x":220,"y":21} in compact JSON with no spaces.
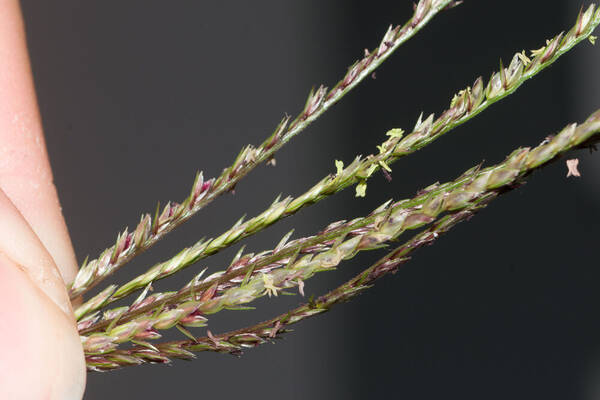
{"x":151,"y":229}
{"x":473,"y":189}
{"x":464,"y":106}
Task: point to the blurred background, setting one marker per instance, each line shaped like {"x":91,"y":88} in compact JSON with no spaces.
{"x":136,"y":96}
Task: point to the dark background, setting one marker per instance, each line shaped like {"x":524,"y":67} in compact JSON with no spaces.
{"x":138,"y":95}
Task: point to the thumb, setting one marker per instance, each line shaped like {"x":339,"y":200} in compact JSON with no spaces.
{"x":42,"y":357}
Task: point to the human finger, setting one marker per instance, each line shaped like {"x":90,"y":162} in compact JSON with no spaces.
{"x":42,"y":357}
{"x":25,"y":174}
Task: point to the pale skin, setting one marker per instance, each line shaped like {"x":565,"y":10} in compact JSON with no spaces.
{"x":41,"y":355}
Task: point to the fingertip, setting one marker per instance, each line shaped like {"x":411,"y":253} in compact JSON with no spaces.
{"x":20,"y":244}
{"x":37,"y":200}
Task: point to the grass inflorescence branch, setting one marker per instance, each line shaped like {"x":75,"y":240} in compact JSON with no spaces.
{"x":464,"y":106}
{"x":473,"y":188}
{"x":236,"y":341}
{"x":150,"y":229}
